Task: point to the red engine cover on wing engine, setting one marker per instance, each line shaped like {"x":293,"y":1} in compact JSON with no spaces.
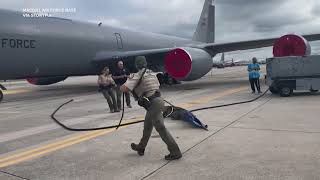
{"x":46,"y":80}
{"x":178,"y":63}
{"x":187,"y":64}
{"x":32,"y":81}
{"x":291,"y":45}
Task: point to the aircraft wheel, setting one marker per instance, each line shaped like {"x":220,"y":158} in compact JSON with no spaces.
{"x":1,"y":95}
{"x":167,"y":79}
{"x":170,"y":80}
{"x":313,"y":91}
{"x":161,"y":78}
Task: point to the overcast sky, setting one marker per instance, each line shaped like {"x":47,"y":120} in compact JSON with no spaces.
{"x":235,"y":19}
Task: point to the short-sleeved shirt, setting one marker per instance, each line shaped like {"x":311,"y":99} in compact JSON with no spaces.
{"x":120,"y":72}
{"x":105,"y":80}
{"x":254,"y":71}
{"x":149,"y":83}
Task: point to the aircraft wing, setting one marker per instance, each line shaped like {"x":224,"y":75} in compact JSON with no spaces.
{"x":104,"y":56}
{"x":215,"y":48}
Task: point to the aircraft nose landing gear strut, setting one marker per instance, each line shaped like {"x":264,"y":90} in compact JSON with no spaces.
{"x":164,"y":78}
{"x":1,"y":94}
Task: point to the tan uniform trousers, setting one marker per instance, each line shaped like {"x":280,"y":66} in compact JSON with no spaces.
{"x":154,"y":118}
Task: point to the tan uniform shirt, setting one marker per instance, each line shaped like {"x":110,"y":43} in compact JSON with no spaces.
{"x":105,"y":80}
{"x":149,"y":83}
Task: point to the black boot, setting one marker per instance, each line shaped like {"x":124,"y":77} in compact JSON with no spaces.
{"x":171,"y":157}
{"x":135,"y":147}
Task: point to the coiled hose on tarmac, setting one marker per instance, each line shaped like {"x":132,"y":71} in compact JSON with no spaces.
{"x":130,"y":123}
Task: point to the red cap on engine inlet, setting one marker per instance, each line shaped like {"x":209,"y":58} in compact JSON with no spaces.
{"x":291,"y":45}
{"x":178,"y":63}
{"x":32,"y":81}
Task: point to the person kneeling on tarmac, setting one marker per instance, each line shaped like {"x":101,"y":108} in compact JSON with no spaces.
{"x":145,"y":88}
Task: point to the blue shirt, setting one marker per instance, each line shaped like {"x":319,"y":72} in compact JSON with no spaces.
{"x":254,"y":71}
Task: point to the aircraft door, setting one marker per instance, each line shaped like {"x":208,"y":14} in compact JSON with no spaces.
{"x":119,"y":40}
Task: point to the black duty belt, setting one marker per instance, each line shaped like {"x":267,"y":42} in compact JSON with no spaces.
{"x":155,"y":95}
{"x":147,"y":101}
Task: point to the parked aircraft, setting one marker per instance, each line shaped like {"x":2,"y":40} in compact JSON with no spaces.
{"x":47,"y":50}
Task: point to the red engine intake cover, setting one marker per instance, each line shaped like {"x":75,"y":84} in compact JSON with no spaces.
{"x":291,"y":45}
{"x":32,"y":81}
{"x":178,"y":63}
{"x":46,"y":80}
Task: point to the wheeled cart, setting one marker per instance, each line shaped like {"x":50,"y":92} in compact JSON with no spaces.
{"x":286,"y":74}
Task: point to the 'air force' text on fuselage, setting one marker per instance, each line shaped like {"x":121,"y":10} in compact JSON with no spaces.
{"x":18,"y":43}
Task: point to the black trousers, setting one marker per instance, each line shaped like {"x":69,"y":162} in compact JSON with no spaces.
{"x":255,"y":84}
{"x":119,"y":97}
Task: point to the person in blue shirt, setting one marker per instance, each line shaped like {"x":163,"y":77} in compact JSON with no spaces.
{"x":254,"y":75}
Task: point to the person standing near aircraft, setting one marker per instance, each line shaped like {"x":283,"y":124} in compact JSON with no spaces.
{"x":120,"y":76}
{"x":107,"y":85}
{"x":144,"y":86}
{"x":254,"y":75}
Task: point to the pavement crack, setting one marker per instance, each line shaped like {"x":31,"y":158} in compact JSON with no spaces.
{"x":208,"y":137}
{"x":10,"y":174}
{"x":278,"y":130}
{"x":154,"y":171}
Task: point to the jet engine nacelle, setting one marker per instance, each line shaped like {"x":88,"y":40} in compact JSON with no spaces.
{"x":291,"y":45}
{"x":46,"y":80}
{"x":187,"y":64}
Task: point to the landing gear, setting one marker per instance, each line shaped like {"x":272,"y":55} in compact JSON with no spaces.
{"x":164,"y":78}
{"x":160,"y":77}
{"x":314,"y":90}
{"x":1,"y":94}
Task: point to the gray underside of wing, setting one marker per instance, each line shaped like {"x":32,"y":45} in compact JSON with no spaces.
{"x":212,"y":48}
{"x":215,"y":48}
{"x":104,"y":56}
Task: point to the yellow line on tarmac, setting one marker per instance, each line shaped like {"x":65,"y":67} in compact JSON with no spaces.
{"x":45,"y":147}
{"x":42,"y":150}
{"x":15,"y":91}
{"x":23,"y":156}
{"x":52,"y":147}
{"x":207,"y":99}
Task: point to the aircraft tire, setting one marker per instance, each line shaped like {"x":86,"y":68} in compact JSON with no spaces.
{"x":161,"y":78}
{"x":1,"y":95}
{"x":314,"y":90}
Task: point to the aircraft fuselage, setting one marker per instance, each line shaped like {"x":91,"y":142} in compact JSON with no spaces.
{"x":37,"y":47}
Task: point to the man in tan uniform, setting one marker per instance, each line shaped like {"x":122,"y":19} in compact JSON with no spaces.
{"x":146,"y":89}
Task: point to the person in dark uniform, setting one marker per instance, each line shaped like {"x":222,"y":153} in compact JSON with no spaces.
{"x":146,"y":91}
{"x":120,"y":76}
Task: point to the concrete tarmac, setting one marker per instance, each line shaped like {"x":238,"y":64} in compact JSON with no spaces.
{"x":271,"y":138}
